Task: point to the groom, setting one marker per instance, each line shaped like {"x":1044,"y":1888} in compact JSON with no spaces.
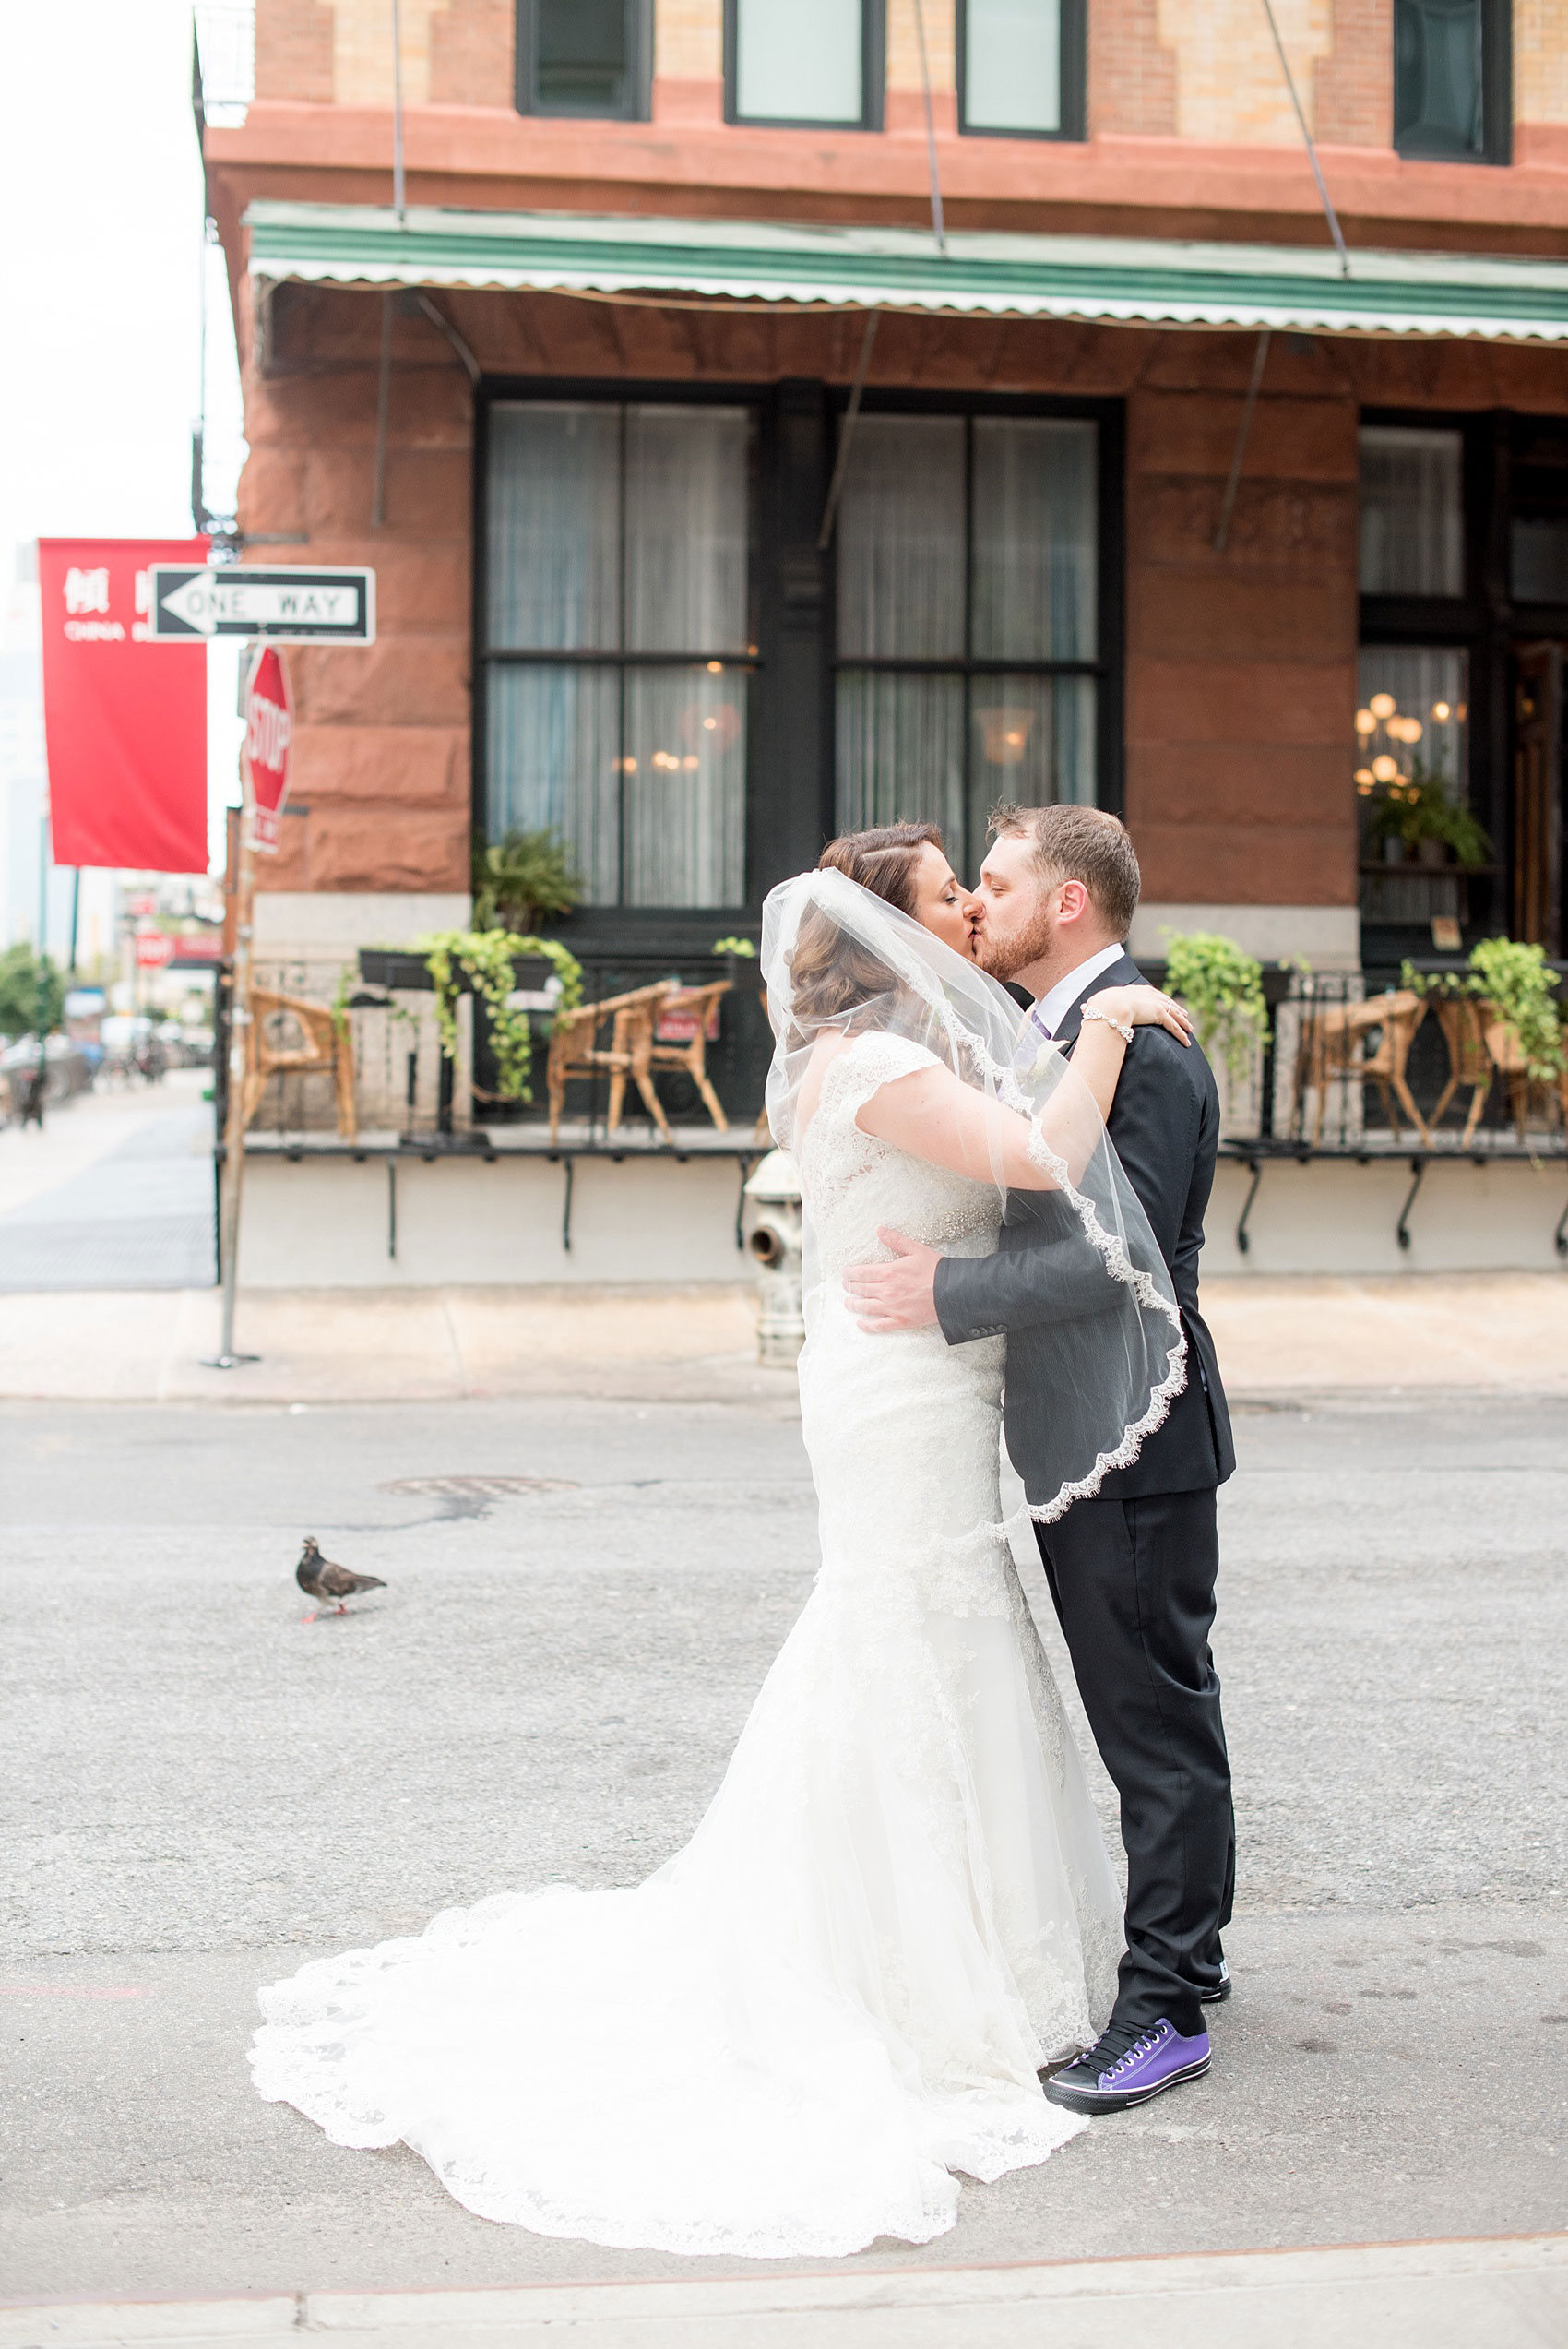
{"x":1132,"y":1572}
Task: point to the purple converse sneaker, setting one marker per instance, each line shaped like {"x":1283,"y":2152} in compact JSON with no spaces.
{"x":1127,"y":2067}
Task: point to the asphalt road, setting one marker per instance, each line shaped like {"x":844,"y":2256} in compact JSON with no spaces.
{"x":199,"y":1791}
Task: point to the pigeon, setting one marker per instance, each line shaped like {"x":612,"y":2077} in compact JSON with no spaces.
{"x":320,"y":1580}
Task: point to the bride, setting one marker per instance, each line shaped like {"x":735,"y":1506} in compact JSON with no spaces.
{"x":792,"y":2038}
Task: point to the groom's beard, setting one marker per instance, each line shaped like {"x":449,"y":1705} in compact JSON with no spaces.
{"x":1018,"y":948}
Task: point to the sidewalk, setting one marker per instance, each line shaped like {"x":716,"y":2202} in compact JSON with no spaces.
{"x":1512,"y":2293}
{"x":1480,"y":1332}
{"x":114,"y":1193}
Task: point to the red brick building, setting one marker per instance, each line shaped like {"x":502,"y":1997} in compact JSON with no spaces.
{"x":580,"y":405}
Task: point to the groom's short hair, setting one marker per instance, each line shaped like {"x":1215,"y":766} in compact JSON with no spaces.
{"x":1079,"y":844}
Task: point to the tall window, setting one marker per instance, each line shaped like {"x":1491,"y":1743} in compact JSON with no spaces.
{"x":1538,"y":531}
{"x":1021,"y":68}
{"x":1452,"y":69}
{"x":966,"y":619}
{"x":804,"y":62}
{"x":1412,"y":511}
{"x":1413,"y":730}
{"x":617,"y":639}
{"x":584,"y":58}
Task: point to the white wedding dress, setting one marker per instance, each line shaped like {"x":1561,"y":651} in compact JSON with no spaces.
{"x":899,"y":1905}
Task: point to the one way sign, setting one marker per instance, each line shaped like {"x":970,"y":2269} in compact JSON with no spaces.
{"x":288,"y":606}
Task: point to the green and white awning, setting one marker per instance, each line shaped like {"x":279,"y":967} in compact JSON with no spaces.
{"x":1142,"y":281}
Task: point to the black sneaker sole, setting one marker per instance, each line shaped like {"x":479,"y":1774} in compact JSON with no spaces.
{"x":1088,"y":2100}
{"x":1213,"y":1998}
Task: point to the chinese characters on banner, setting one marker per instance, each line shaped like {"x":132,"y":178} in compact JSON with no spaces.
{"x":125,"y":718}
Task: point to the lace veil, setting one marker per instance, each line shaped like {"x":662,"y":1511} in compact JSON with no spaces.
{"x":1107,"y":1350}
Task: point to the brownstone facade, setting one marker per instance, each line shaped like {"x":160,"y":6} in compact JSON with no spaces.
{"x":1238,"y":678}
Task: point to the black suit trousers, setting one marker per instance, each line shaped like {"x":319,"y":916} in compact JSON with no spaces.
{"x":1133,"y":1581}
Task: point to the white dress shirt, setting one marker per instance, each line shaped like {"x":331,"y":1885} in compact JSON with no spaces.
{"x":1055,"y":1005}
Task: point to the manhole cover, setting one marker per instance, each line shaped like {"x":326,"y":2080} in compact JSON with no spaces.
{"x":479,"y":1488}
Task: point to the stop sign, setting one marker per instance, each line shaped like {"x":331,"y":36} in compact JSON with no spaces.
{"x":269,"y":727}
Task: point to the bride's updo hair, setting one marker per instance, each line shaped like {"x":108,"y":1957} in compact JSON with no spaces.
{"x":884,"y":861}
{"x":832,"y":973}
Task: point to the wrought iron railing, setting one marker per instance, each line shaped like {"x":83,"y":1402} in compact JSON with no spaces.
{"x":1326,"y":1078}
{"x":407,"y":1089}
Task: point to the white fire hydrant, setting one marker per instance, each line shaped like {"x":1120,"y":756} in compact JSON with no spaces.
{"x":774,"y":1241}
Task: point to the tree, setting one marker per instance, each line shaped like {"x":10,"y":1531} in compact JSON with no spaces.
{"x":23,"y":978}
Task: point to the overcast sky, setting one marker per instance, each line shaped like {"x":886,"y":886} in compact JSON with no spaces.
{"x":102,"y":264}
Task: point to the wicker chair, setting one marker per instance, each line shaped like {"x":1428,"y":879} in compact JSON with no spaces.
{"x":684,"y":1024}
{"x":324,"y":1051}
{"x":1464,"y":1022}
{"x":1336,"y":1046}
{"x":1507,"y":1056}
{"x":576,"y":1051}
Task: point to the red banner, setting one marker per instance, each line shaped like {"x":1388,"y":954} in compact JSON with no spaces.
{"x":125,"y":718}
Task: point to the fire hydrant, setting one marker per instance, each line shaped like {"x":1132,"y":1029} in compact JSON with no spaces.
{"x":774,"y":1241}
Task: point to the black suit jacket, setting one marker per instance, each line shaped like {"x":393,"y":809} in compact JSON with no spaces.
{"x":1165,"y":1126}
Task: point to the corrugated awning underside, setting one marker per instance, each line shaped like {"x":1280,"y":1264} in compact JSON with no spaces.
{"x":1116,"y":280}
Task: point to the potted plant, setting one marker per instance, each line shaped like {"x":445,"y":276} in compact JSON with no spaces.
{"x":1514,"y":987}
{"x":1222,"y":987}
{"x":1417,"y":816}
{"x":521,"y":880}
{"x":739,"y":958}
{"x":1522,"y":989}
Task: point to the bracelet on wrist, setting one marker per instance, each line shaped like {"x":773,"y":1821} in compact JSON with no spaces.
{"x":1122,"y":1027}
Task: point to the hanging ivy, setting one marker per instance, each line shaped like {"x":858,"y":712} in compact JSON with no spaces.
{"x":485,"y":958}
{"x":1222,"y":985}
{"x":1521,"y":987}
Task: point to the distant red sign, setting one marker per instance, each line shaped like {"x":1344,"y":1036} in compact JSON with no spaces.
{"x":125,"y":718}
{"x":269,"y":731}
{"x":154,"y":949}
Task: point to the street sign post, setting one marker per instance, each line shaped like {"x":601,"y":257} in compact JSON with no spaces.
{"x":292,"y":605}
{"x":268,"y":712}
{"x":269,"y":733}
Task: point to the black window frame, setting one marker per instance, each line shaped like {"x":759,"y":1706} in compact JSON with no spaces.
{"x":873,"y":76}
{"x":1073,"y":81}
{"x":1497,"y":96}
{"x":1108,"y":667}
{"x":613,"y":392}
{"x":1485,"y":621}
{"x":638,"y":105}
{"x":791,"y":762}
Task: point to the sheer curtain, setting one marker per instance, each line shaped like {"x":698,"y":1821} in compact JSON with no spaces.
{"x":684,"y":797}
{"x":1412,"y":511}
{"x":686,"y":541}
{"x":969,"y":544}
{"x":1429,"y":686}
{"x":901,"y":573}
{"x":1036,"y":566}
{"x":555,"y":558}
{"x":622,"y":532}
